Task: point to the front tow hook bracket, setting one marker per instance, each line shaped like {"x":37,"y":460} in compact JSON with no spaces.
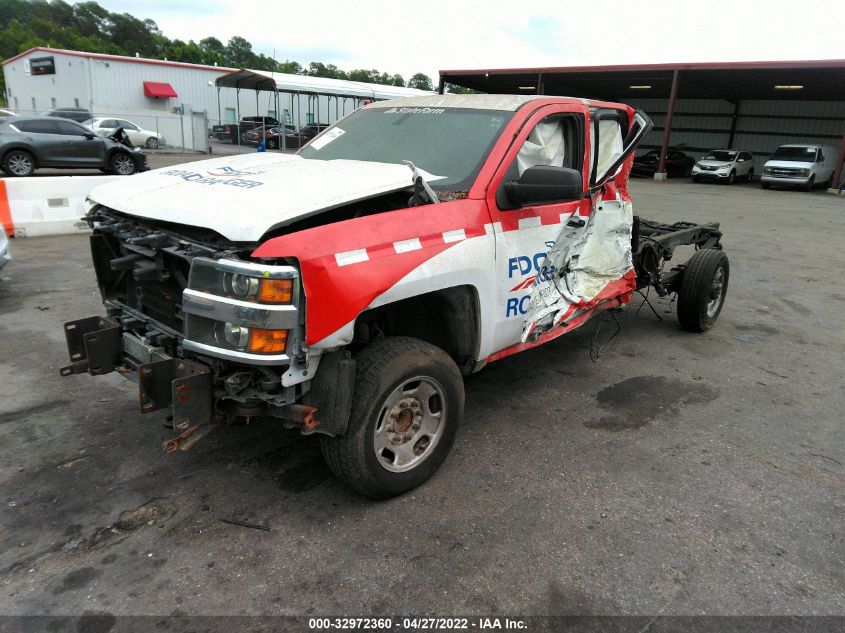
{"x":181,"y":385}
{"x":94,"y":346}
{"x":186,"y":440}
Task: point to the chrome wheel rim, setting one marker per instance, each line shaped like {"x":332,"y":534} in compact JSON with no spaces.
{"x":20,"y":164}
{"x":717,"y":289}
{"x":123,"y":165}
{"x":410,"y":424}
{"x":152,"y":143}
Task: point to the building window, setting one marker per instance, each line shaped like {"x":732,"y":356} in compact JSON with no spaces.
{"x":230,"y":115}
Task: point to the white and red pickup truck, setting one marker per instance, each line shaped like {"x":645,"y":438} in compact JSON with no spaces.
{"x":346,"y":289}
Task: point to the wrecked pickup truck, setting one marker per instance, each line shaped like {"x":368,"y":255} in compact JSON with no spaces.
{"x":345,"y":290}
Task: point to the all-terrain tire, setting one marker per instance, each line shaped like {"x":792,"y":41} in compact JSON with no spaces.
{"x":703,"y":290}
{"x":383,"y":368}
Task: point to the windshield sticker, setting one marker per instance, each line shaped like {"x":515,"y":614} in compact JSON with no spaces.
{"x":326,"y":137}
{"x":415,"y":111}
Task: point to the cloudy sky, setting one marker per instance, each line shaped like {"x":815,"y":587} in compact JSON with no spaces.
{"x":429,"y":35}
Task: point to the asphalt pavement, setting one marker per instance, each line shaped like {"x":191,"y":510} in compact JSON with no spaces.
{"x":680,"y":474}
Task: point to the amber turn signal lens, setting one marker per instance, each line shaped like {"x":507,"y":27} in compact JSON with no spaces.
{"x":267,"y":341}
{"x":275,"y":291}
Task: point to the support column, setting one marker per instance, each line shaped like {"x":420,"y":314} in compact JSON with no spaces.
{"x":660,"y":174}
{"x":442,"y":85}
{"x":837,"y":172}
{"x":734,"y":118}
{"x":541,"y":85}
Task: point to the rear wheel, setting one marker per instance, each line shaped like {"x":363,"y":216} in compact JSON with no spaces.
{"x":703,"y":289}
{"x":19,"y":163}
{"x":408,"y":400}
{"x":272,"y":144}
{"x":151,"y":143}
{"x":122,"y":164}
{"x":751,"y":175}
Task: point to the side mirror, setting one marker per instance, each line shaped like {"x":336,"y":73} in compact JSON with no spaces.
{"x":90,"y":136}
{"x":544,"y":184}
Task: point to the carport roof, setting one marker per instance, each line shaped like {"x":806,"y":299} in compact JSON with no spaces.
{"x":246,"y":79}
{"x":732,"y":81}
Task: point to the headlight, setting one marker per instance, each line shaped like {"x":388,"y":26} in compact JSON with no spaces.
{"x":233,"y":335}
{"x":698,"y":165}
{"x":240,"y":286}
{"x":804,"y":172}
{"x":767,"y":170}
{"x":235,"y":308}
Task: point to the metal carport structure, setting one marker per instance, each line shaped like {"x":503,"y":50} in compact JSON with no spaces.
{"x":339,"y":93}
{"x":725,"y":104}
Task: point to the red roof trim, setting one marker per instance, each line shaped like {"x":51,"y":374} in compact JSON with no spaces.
{"x":158,"y":90}
{"x":117,"y":58}
{"x":819,"y":63}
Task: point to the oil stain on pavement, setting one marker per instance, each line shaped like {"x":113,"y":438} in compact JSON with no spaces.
{"x":634,"y":402}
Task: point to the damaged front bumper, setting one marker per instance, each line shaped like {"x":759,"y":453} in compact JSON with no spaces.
{"x":98,"y":345}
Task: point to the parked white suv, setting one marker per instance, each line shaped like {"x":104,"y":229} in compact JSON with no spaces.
{"x":801,"y":166}
{"x":724,"y":165}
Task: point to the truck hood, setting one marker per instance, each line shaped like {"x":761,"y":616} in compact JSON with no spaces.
{"x":242,"y":197}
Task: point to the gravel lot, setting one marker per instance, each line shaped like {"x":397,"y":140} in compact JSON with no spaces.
{"x":680,"y":474}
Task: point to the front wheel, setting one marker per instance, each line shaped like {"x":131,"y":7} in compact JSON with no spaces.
{"x":810,"y":184}
{"x":151,"y":143}
{"x":732,"y":177}
{"x":122,"y":164}
{"x":407,"y":403}
{"x":19,"y":163}
{"x":703,"y":289}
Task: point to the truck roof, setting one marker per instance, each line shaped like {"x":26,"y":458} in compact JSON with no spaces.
{"x":477,"y":101}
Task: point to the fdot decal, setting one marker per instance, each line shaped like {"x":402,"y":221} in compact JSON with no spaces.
{"x":525,"y":265}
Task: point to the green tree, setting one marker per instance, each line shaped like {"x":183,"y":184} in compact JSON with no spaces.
{"x":329,"y":71}
{"x":420,"y":81}
{"x":238,"y":53}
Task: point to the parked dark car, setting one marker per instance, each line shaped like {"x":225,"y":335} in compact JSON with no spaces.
{"x":233,"y":131}
{"x":677,"y":164}
{"x":28,"y":143}
{"x":287,"y":137}
{"x":311,"y":130}
{"x":80,"y":115}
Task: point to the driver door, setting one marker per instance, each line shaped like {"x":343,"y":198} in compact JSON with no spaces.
{"x":554,"y":136}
